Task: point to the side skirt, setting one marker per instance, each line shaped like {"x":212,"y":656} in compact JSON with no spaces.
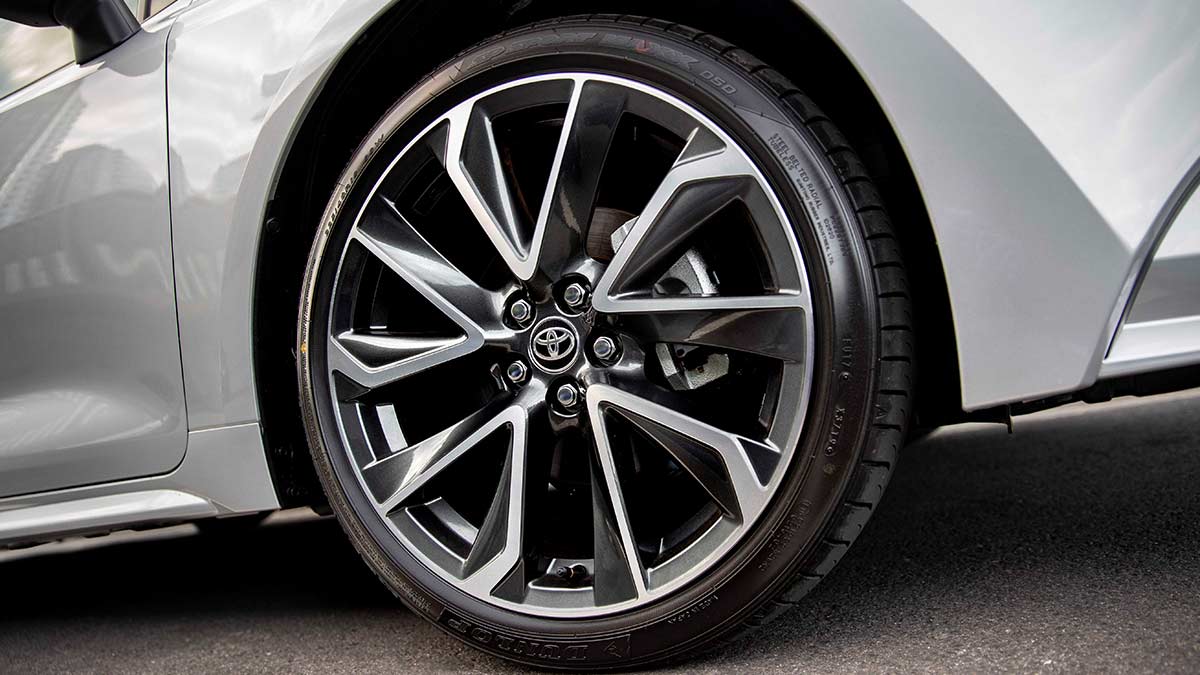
{"x":224,"y":472}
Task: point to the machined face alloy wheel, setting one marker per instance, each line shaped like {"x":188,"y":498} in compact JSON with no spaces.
{"x":569,"y":344}
{"x":605,"y":346}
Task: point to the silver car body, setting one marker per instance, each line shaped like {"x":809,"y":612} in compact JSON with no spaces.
{"x":1056,"y":147}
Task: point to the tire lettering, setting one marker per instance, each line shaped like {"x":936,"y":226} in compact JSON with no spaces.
{"x":719,"y":82}
{"x":551,"y":651}
{"x":787,"y":529}
{"x":650,"y":48}
{"x":693,"y":611}
{"x":835,"y":432}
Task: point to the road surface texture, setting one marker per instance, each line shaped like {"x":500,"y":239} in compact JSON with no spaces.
{"x":1073,"y":545}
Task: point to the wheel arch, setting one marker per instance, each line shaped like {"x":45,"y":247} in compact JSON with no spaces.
{"x":421,"y":34}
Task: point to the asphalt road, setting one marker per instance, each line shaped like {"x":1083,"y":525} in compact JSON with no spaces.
{"x":1073,"y":545}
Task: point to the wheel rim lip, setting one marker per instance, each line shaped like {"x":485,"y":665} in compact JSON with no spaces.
{"x":800,"y":373}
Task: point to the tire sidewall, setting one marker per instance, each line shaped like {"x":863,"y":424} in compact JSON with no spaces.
{"x":839,"y":414}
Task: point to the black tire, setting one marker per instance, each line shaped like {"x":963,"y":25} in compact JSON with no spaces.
{"x":862,"y":384}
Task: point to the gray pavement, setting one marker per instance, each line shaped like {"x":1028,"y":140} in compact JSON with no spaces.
{"x":1073,"y":545}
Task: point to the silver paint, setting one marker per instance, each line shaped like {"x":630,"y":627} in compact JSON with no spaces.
{"x":1163,"y":326}
{"x":1171,"y":288}
{"x":225,"y":468}
{"x":91,"y":387}
{"x":92,"y":514}
{"x":242,"y":76}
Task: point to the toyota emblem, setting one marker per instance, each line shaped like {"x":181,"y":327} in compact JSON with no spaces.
{"x":554,"y":346}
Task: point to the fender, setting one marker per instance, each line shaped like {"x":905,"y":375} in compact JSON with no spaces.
{"x":1046,"y":140}
{"x":1016,"y":151}
{"x":232,"y":116}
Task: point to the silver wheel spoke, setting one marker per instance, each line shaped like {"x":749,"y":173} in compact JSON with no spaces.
{"x":385,"y":232}
{"x":705,"y":177}
{"x":588,"y":129}
{"x":394,"y":478}
{"x":498,"y":546}
{"x":375,"y":360}
{"x":472,"y":161}
{"x":399,"y":357}
{"x":619,"y":574}
{"x":730,"y":480}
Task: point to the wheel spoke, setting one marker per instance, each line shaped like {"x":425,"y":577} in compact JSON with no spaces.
{"x":697,"y":459}
{"x":706,"y":176}
{"x":618,"y":574}
{"x":588,"y":130}
{"x":388,"y":235}
{"x":689,"y":208}
{"x":351,"y":353}
{"x":494,"y":532}
{"x":499,"y":545}
{"x":394,"y":478}
{"x":467,"y":148}
{"x":717,"y":459}
{"x":768,"y":325}
{"x":375,"y":360}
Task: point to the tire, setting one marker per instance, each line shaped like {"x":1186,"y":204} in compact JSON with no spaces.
{"x":859,"y":389}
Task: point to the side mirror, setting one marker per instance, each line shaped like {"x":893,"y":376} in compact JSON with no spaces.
{"x":96,"y":25}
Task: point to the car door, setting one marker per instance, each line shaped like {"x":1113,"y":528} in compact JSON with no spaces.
{"x":91,"y":388}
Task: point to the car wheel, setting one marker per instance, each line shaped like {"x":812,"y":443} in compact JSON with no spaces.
{"x":605,"y":348}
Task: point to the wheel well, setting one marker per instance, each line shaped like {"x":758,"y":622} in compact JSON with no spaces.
{"x":416,"y":36}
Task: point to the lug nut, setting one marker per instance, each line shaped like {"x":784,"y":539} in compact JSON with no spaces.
{"x":575,"y":295}
{"x":516,"y":372}
{"x":520,"y":311}
{"x":567,"y":396}
{"x":605,"y":349}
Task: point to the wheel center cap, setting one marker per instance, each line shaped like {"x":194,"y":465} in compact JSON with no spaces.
{"x":555,"y":345}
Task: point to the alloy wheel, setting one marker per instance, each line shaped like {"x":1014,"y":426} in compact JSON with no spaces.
{"x":570,"y":345}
